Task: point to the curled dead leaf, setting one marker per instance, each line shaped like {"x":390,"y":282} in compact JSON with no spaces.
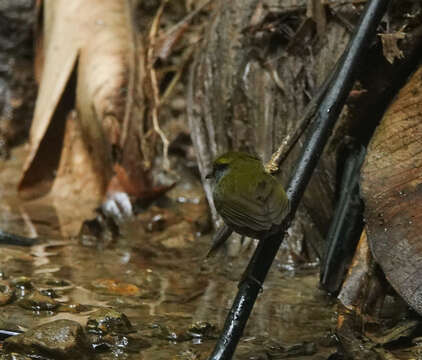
{"x":392,"y":191}
{"x":90,"y":59}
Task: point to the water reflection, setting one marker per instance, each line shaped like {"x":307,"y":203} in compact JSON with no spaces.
{"x":156,"y":276}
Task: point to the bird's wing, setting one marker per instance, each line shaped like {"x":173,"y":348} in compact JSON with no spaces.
{"x":246,"y":214}
{"x":259,"y":213}
{"x":277,"y":205}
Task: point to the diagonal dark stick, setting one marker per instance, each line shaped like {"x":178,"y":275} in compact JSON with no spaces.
{"x":327,"y":114}
{"x":4,"y":334}
{"x":18,"y":240}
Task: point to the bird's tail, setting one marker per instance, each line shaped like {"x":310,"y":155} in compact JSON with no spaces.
{"x":219,"y":238}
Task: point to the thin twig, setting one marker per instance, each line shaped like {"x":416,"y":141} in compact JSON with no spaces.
{"x":187,"y":18}
{"x":157,"y":102}
{"x":154,"y":83}
{"x":273,"y":166}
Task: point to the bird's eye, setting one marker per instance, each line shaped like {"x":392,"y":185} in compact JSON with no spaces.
{"x":219,"y":167}
{"x":217,"y":170}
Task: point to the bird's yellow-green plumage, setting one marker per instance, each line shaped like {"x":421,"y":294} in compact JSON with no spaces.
{"x":251,"y":201}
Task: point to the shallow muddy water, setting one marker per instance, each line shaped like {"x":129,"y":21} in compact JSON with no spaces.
{"x":176,"y":302}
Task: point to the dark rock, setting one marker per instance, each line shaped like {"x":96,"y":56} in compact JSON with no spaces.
{"x":38,"y":302}
{"x":105,"y":321}
{"x":50,"y":293}
{"x":118,"y":343}
{"x":22,"y":285}
{"x":99,"y":232}
{"x":108,"y":331}
{"x":60,"y":339}
{"x":202,"y":330}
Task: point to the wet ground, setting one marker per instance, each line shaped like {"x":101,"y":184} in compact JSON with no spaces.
{"x":156,"y":276}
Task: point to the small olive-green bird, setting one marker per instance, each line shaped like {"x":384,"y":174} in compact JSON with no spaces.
{"x":250,"y":200}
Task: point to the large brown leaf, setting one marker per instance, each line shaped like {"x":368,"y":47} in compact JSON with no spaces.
{"x":91,"y":62}
{"x":392,"y":190}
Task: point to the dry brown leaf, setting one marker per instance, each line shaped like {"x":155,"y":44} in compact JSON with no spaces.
{"x":92,"y":61}
{"x":40,"y":162}
{"x":352,"y":292}
{"x":76,"y":163}
{"x":390,"y":47}
{"x":392,"y":190}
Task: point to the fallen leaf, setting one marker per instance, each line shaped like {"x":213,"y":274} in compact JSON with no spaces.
{"x":91,"y":61}
{"x":390,"y":48}
{"x":392,"y":190}
{"x":353,"y":290}
{"x":115,"y":287}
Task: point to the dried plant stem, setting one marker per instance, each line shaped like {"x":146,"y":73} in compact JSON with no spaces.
{"x":154,"y":84}
{"x":273,"y":166}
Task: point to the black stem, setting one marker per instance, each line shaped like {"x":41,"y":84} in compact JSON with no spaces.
{"x":327,"y":114}
{"x":18,"y":240}
{"x":346,"y":224}
{"x":4,"y":333}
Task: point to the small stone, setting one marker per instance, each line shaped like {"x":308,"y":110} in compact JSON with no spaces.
{"x":22,"y":285}
{"x":98,"y":232}
{"x":6,"y":292}
{"x":165,"y":332}
{"x":157,"y":223}
{"x":50,"y":293}
{"x":106,"y":321}
{"x":118,"y":343}
{"x":58,"y":283}
{"x":60,"y":339}
{"x":203,"y":330}
{"x":73,"y":308}
{"x":37,"y":302}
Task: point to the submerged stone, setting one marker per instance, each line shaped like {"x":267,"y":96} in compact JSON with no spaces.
{"x":6,"y":292}
{"x":38,"y":302}
{"x":202,"y":329}
{"x":23,"y":285}
{"x":118,"y":343}
{"x":105,"y":321}
{"x":60,"y":339}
